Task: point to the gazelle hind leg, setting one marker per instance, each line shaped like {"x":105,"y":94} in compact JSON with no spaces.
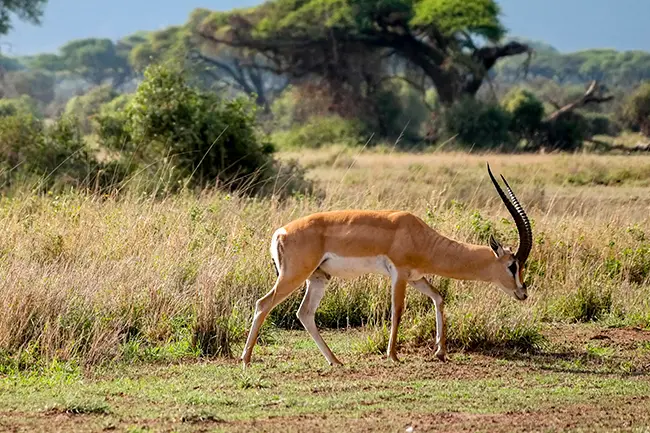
{"x":398,"y":294}
{"x":423,"y":286}
{"x":281,"y":290}
{"x":306,"y":313}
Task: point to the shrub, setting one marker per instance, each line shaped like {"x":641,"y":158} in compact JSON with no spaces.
{"x":588,"y":303}
{"x":18,"y":134}
{"x":601,"y":124}
{"x":23,"y":105}
{"x":477,"y":124}
{"x":526,"y":112}
{"x":54,"y":155}
{"x":401,"y":111}
{"x":207,"y":140}
{"x":205,"y":136}
{"x":566,"y":132}
{"x":85,"y":107}
{"x":635,"y":113}
{"x":117,"y":104}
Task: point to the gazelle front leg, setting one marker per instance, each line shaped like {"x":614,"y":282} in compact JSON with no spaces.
{"x":423,"y":286}
{"x":398,"y":294}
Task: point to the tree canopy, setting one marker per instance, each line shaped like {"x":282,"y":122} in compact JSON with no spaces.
{"x":26,"y":10}
{"x":452,"y":43}
{"x":615,"y":68}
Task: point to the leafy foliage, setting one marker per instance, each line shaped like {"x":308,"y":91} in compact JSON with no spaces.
{"x":46,"y":156}
{"x":96,"y":60}
{"x":37,"y":84}
{"x":84,"y":107}
{"x":208,"y":139}
{"x":616,"y":68}
{"x":321,"y":131}
{"x":636,"y":110}
{"x":23,"y":105}
{"x":567,"y":132}
{"x":478,"y":124}
{"x":526,"y":110}
{"x":27,"y":10}
{"x":451,"y":17}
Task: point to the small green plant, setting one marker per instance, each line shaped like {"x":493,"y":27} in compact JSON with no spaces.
{"x":376,"y":342}
{"x":473,"y":331}
{"x":588,"y":303}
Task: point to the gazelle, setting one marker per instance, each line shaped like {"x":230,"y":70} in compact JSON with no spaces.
{"x":397,"y":244}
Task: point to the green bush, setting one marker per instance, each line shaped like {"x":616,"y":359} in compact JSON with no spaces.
{"x":322,"y":131}
{"x":211,"y":138}
{"x":206,"y":139}
{"x":23,"y":105}
{"x":19,"y":133}
{"x":478,"y":124}
{"x":401,"y":111}
{"x":85,"y":107}
{"x":567,"y":132}
{"x":635,"y":112}
{"x":601,"y":124}
{"x":117,"y":104}
{"x":49,"y":156}
{"x":526,"y":112}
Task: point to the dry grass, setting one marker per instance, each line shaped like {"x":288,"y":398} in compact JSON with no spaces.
{"x":92,"y":279}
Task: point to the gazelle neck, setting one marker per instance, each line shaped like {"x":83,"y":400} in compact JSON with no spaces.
{"x":459,"y":260}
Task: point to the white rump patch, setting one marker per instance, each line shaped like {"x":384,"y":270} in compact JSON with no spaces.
{"x":274,"y":246}
{"x":352,"y":267}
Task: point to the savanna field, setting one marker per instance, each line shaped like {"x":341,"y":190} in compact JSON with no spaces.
{"x":144,"y":170}
{"x":128,"y":312}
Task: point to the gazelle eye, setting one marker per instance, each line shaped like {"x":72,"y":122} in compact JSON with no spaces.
{"x":513,"y":268}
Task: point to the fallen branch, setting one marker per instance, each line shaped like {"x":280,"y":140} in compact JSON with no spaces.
{"x":593,"y":95}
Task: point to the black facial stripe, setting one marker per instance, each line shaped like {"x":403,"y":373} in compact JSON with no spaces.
{"x":513,"y":268}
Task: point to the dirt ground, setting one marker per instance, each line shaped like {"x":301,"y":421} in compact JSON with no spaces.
{"x":586,"y":379}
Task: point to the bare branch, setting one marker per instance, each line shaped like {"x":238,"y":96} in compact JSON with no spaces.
{"x":593,"y":95}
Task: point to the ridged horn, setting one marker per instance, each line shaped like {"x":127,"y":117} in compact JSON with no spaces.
{"x":519,"y":215}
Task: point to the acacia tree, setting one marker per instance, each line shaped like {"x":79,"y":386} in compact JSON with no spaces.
{"x":336,"y":40}
{"x":96,"y":61}
{"x":222,"y":66}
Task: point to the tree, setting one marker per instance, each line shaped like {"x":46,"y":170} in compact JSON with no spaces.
{"x":221,"y":66}
{"x":26,"y":10}
{"x":615,"y":68}
{"x":46,"y":62}
{"x":96,"y":61}
{"x":36,"y":83}
{"x":346,"y":42}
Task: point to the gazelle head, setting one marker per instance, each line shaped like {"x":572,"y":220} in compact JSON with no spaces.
{"x":508,"y":269}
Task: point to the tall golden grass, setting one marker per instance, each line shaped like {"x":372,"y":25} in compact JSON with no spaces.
{"x":98,"y":278}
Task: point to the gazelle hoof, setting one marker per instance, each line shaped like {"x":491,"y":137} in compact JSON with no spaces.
{"x":441,"y":355}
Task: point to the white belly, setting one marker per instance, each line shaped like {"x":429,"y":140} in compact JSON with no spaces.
{"x":352,"y":267}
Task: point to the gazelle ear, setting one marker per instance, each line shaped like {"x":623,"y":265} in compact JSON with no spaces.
{"x":496,"y":247}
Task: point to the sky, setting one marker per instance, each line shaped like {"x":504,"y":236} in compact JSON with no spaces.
{"x":568,"y":25}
